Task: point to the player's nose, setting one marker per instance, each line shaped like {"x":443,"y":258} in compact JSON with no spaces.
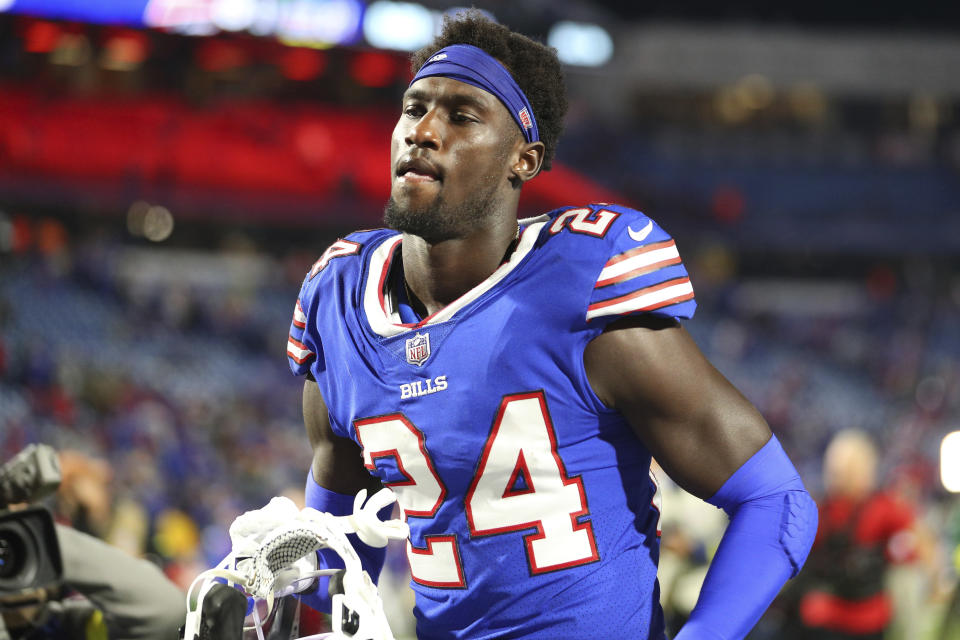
{"x":425,"y":132}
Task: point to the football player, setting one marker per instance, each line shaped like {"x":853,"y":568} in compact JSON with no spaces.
{"x":511,"y":380}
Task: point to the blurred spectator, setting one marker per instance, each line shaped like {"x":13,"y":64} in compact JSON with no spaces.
{"x":84,"y":498}
{"x":842,"y":592}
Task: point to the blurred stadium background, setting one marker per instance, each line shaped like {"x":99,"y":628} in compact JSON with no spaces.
{"x":169,"y":170}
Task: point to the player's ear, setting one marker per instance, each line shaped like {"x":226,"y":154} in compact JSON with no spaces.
{"x":528,"y":161}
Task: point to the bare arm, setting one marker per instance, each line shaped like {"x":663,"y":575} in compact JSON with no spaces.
{"x":696,"y":424}
{"x":715,"y":444}
{"x":337,"y":462}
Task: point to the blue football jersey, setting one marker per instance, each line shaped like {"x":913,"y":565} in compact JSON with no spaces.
{"x":531,"y":507}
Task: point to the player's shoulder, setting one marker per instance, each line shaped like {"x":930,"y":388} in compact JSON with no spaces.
{"x":332,"y":277}
{"x":599,"y":232}
{"x":632,"y":263}
{"x":612,"y":223}
{"x":343,"y":259}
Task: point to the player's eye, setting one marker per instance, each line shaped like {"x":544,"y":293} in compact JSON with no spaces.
{"x":413,"y":110}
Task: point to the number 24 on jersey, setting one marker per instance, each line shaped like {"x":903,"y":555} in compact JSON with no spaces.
{"x":521,"y":483}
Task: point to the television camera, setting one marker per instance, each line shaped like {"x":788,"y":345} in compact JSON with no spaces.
{"x":30,"y":560}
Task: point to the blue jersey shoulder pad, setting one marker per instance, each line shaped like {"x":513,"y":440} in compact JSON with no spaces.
{"x":341,"y":261}
{"x":639,"y":269}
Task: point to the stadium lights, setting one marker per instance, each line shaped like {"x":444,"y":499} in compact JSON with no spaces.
{"x":580,"y":43}
{"x":395,"y":25}
{"x":124,"y":51}
{"x":373,"y":69}
{"x":405,"y":26}
{"x":41,"y":36}
{"x":113,"y":12}
{"x":237,"y":15}
{"x":401,"y":26}
{"x":315,"y":23}
{"x":153,"y":222}
{"x":950,"y":462}
{"x":321,"y":23}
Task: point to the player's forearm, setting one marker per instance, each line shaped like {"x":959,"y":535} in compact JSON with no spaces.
{"x":772,"y":526}
{"x":745,"y":576}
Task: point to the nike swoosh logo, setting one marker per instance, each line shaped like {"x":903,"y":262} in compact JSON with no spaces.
{"x":640,"y":236}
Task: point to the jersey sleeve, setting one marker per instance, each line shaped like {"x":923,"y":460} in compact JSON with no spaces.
{"x":303,"y":342}
{"x":302,"y":345}
{"x":643,"y":273}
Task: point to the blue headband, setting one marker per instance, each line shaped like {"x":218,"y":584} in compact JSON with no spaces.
{"x":471,"y":65}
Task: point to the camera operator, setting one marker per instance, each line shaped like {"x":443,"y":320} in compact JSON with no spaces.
{"x":59,"y":583}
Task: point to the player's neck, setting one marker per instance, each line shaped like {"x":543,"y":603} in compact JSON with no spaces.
{"x":437,"y":274}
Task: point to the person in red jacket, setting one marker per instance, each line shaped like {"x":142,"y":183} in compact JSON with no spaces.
{"x":858,"y":537}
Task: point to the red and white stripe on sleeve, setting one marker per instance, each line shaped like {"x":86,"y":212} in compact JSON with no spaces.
{"x":644,"y":274}
{"x":300,"y":355}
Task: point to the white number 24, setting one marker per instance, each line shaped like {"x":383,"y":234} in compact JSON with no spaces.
{"x":521,"y":483}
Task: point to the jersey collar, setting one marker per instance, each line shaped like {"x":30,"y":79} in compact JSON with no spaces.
{"x":384,"y":318}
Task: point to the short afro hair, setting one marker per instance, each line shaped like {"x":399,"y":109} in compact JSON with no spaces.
{"x":534,"y":66}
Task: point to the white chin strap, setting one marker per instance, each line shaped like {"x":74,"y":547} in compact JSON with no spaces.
{"x":274,"y":555}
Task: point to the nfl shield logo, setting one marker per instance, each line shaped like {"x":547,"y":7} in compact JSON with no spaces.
{"x":418,"y":348}
{"x":525,"y":118}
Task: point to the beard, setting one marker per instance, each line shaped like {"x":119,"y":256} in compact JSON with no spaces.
{"x":440,"y":220}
